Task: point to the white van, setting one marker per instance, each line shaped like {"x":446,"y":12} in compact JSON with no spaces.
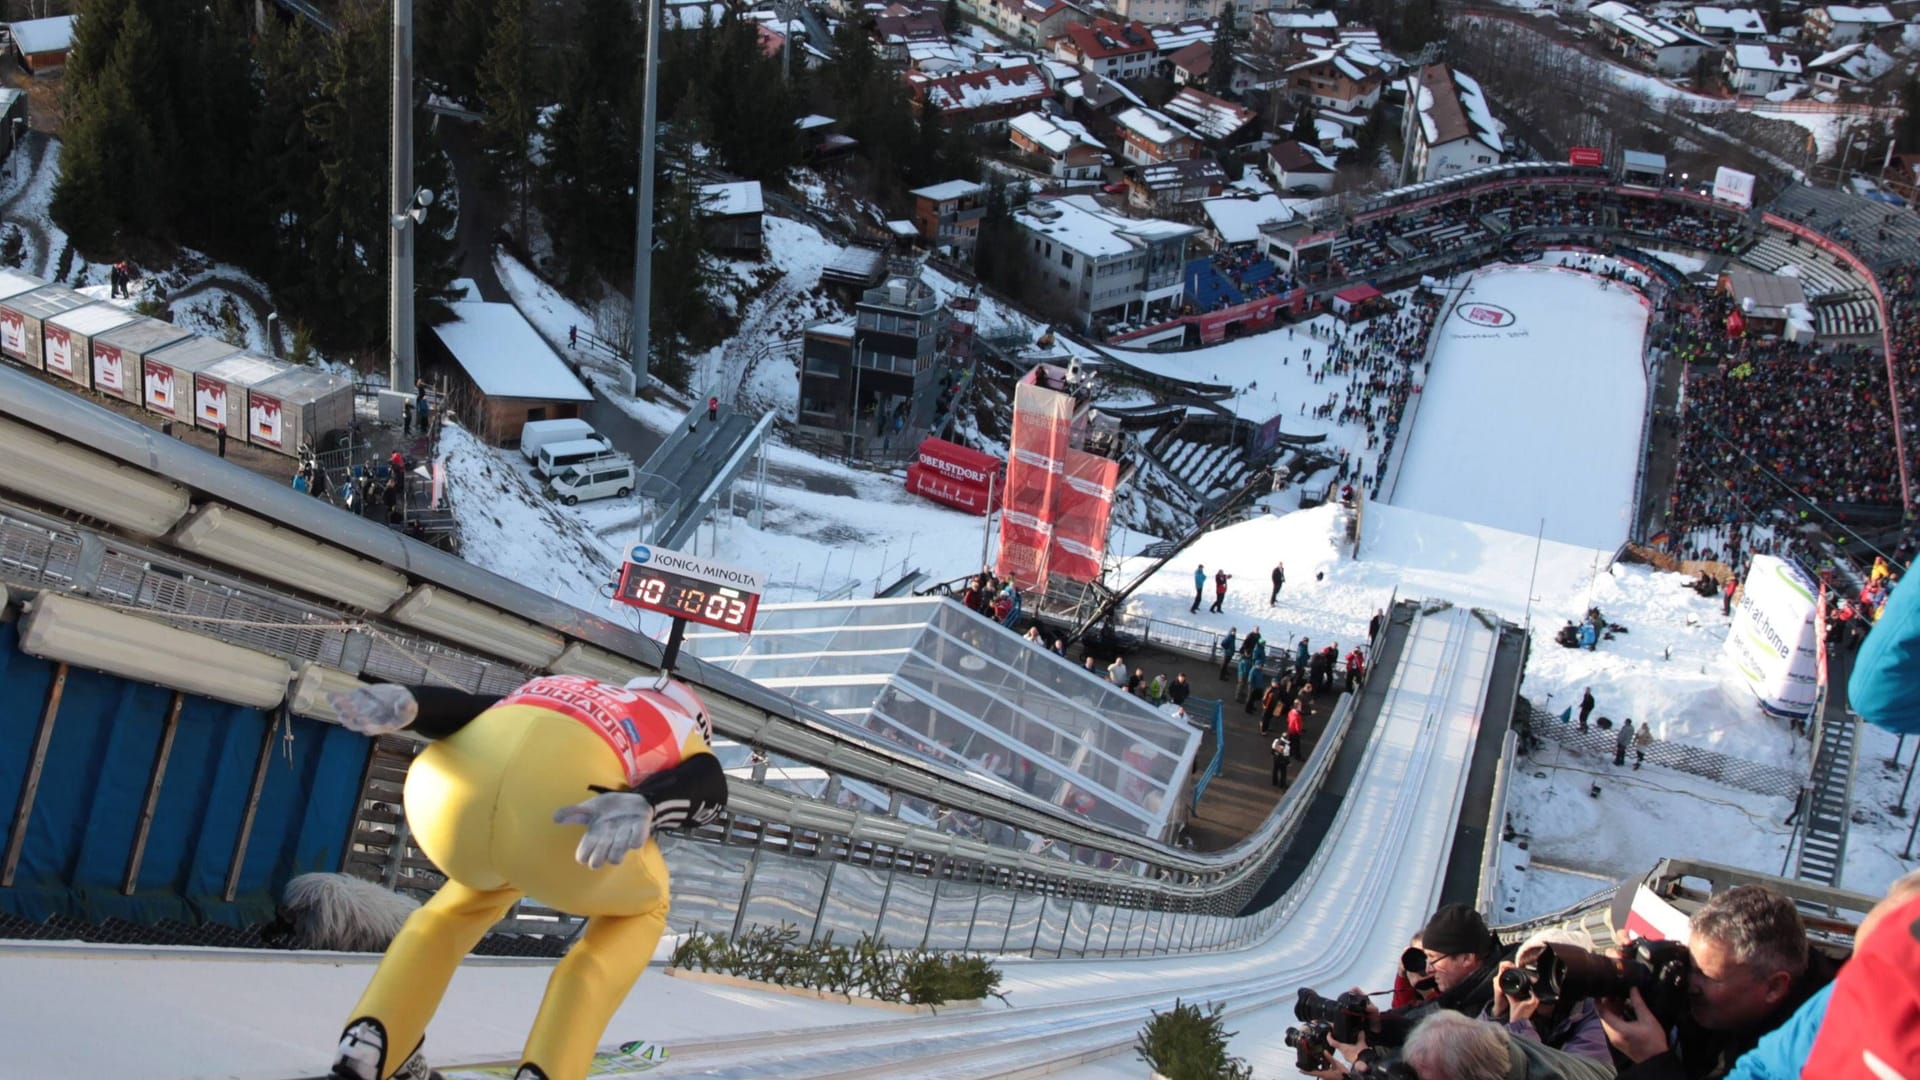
{"x":539,"y":433}
{"x":557,"y":457}
{"x":594,"y":480}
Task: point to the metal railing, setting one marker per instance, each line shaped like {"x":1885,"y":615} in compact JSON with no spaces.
{"x":1695,"y":760}
{"x":1218,"y":761}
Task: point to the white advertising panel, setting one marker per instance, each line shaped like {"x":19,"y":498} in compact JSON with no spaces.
{"x":1771,"y":644}
{"x":1734,"y":186}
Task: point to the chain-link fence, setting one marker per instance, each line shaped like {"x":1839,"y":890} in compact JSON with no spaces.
{"x":1697,"y":761}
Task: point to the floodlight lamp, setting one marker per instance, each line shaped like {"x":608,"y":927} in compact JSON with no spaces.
{"x":63,"y":474}
{"x":598,"y":664}
{"x":311,"y":687}
{"x":74,"y":631}
{"x":258,"y":547}
{"x":478,"y":626}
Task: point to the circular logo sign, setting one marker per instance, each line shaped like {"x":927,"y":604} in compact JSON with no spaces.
{"x":640,"y":555}
{"x":1489,"y":315}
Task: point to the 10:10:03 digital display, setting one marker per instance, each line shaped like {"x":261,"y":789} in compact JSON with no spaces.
{"x":653,"y":589}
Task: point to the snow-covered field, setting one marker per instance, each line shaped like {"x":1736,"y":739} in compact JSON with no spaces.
{"x":1528,"y":414}
{"x":1665,"y":671}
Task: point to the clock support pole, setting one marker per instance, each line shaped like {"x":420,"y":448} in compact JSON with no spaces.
{"x":674,"y":637}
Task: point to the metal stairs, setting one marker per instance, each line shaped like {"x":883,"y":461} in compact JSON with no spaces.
{"x":1823,"y":844}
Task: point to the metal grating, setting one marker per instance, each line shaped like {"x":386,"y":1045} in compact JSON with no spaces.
{"x":36,"y":556}
{"x":1720,"y":768}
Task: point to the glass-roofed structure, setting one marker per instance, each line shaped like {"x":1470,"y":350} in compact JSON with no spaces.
{"x":944,"y":683}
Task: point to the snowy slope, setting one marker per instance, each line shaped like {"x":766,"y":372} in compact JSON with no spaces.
{"x":1513,"y":371}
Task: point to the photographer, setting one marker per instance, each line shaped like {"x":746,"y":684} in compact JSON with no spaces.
{"x":1461,"y":956}
{"x":1569,"y":1024}
{"x":1751,"y":968}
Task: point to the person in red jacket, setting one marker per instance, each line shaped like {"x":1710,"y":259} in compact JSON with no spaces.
{"x":1726,"y":595}
{"x":1356,"y":668}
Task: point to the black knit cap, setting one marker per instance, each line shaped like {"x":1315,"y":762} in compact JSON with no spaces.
{"x":1455,"y":930}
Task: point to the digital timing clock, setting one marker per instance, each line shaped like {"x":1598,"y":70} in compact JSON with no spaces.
{"x":686,"y":587}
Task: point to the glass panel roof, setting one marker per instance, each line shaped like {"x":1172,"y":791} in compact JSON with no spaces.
{"x":948,"y":685}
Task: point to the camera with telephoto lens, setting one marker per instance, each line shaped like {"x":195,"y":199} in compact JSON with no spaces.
{"x":1312,"y":1046}
{"x":1345,"y":1016}
{"x":1658,"y":969}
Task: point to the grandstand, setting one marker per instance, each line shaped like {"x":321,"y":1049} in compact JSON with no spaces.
{"x":1819,"y":276}
{"x":1228,"y":278}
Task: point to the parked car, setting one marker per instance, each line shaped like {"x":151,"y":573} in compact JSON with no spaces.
{"x":598,"y":480}
{"x":557,"y":457}
{"x":1118,"y":187}
{"x":538,"y":433}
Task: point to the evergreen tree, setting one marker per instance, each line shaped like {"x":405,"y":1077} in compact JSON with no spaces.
{"x":285,"y":153}
{"x":348,"y":237}
{"x":105,"y":200}
{"x":1226,"y":46}
{"x":592,"y":152}
{"x":748,"y":108}
{"x":1304,"y":130}
{"x":451,"y":39}
{"x":506,"y":91}
{"x":1907,"y":129}
{"x":214,"y":199}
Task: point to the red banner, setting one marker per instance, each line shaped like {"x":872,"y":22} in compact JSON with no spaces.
{"x":1586,"y":155}
{"x":958,"y":476}
{"x":1083,"y":501}
{"x":1042,"y":421}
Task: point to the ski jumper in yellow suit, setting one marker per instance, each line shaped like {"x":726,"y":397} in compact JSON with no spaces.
{"x":482,"y":802}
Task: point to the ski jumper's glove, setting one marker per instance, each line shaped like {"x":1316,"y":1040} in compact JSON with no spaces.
{"x":617,"y":822}
{"x":380,"y":709}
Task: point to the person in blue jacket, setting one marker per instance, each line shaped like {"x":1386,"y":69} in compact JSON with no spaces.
{"x":1589,"y":639}
{"x":1199,"y":586}
{"x":1885,"y":686}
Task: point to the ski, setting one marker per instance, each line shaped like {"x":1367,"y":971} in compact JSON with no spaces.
{"x":631,"y":1059}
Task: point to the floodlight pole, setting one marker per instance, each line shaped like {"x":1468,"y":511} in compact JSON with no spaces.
{"x":641,"y":342}
{"x":400,"y":366}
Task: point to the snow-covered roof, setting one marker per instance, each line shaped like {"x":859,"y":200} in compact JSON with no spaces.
{"x":1641,"y":161}
{"x":692,"y":14}
{"x":1181,"y":174}
{"x":1237,"y":219}
{"x":1862,"y":60}
{"x":1877,"y":15}
{"x":1105,"y":39}
{"x":812,"y":121}
{"x":1170,"y":38}
{"x":728,"y":200}
{"x":1302,"y":20}
{"x":1351,"y":59}
{"x":1293,"y":157}
{"x":1055,"y":134}
{"x":1733,"y":20}
{"x":1214,"y":118}
{"x":1079,"y":223}
{"x":949,"y":190}
{"x":45,"y":35}
{"x":1098,"y":92}
{"x":504,"y":357}
{"x":1766,"y":58}
{"x":1452,"y":107}
{"x":94,"y":318}
{"x":1656,"y":33}
{"x":941,"y":57}
{"x":1155,"y":127}
{"x":903,"y":228}
{"x":833,"y":329}
{"x":984,"y":89}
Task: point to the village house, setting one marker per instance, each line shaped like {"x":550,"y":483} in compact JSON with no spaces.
{"x":1102,"y":267}
{"x":1725,"y":25}
{"x":732,"y":215}
{"x":1347,"y":78}
{"x":1032,"y":22}
{"x":899,"y":25}
{"x":1150,"y":137}
{"x":1222,"y":124}
{"x":1300,"y":170}
{"x":950,"y":213}
{"x":1171,"y":184}
{"x":1109,"y":49}
{"x":1652,"y":43}
{"x":1758,"y":70}
{"x":982,"y":100}
{"x":1274,"y":31}
{"x":1834,"y":25}
{"x":1069,"y":151}
{"x":1448,"y":127}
